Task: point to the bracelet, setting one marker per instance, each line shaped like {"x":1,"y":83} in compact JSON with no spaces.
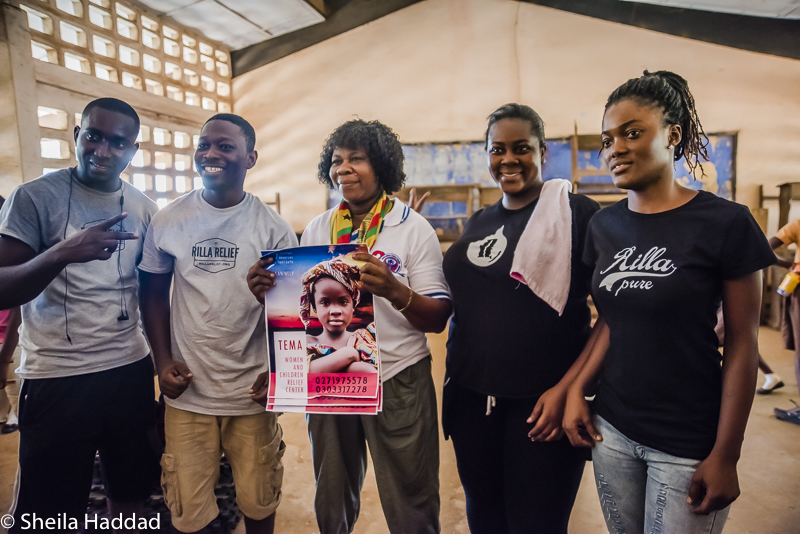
{"x":404,"y":308}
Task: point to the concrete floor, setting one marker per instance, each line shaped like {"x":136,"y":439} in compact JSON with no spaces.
{"x":769,"y":470}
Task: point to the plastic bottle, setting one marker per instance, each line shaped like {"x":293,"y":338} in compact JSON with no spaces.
{"x":789,"y":283}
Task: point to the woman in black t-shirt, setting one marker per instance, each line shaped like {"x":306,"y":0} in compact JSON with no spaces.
{"x":510,"y":356}
{"x":669,"y":419}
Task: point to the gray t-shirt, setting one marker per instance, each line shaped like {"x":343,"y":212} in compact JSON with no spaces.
{"x":96,"y":292}
{"x":218,"y":327}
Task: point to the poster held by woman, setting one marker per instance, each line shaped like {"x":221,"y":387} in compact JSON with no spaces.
{"x":321,"y":333}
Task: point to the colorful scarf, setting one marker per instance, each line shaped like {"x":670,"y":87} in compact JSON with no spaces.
{"x":346,"y":274}
{"x":371,"y":226}
{"x":364,"y":340}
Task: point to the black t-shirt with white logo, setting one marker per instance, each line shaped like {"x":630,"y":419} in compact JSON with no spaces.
{"x":504,"y":340}
{"x":658,"y":282}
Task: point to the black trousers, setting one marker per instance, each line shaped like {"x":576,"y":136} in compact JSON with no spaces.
{"x":63,"y":422}
{"x":512,"y":485}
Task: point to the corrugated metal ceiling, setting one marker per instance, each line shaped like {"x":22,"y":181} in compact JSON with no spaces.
{"x":239,"y":23}
{"x":789,"y":9}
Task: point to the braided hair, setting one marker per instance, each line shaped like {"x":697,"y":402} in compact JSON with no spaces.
{"x":670,"y":93}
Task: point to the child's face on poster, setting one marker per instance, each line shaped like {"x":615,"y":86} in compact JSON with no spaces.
{"x":334,"y":305}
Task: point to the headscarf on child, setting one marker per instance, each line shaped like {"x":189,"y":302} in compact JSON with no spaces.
{"x":344,"y":273}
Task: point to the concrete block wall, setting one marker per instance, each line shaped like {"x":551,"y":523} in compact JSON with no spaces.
{"x":64,"y":53}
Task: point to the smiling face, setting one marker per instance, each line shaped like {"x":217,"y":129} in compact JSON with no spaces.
{"x":334,"y":305}
{"x":105,"y":142}
{"x":352,"y":173}
{"x":222,"y":158}
{"x":637,"y":146}
{"x":515,"y":156}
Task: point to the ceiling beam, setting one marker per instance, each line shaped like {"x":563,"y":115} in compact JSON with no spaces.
{"x":343,"y":15}
{"x":777,"y":37}
{"x":320,"y":6}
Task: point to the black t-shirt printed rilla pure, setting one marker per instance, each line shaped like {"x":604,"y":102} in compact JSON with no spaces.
{"x":504,"y":340}
{"x":658,"y":282}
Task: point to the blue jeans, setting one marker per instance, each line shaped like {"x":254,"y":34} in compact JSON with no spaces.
{"x":643,"y":490}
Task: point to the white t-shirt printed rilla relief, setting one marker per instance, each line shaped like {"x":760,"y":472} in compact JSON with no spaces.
{"x":218,"y":327}
{"x":409,"y":247}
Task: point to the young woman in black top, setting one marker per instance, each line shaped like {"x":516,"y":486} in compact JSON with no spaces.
{"x":510,"y":356}
{"x":669,"y":419}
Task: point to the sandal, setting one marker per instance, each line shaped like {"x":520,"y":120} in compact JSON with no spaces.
{"x":767,"y":391}
{"x":790,"y":416}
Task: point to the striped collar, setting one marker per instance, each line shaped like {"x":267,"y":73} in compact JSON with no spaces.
{"x":400,"y":212}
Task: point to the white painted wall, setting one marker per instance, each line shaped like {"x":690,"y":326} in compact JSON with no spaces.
{"x":435,"y":70}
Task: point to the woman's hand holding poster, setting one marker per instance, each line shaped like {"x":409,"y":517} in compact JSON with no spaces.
{"x":321,"y":333}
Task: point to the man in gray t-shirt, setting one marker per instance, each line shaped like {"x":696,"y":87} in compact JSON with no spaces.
{"x":87,"y":375}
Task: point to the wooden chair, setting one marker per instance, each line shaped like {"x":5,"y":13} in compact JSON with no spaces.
{"x":473,"y":195}
{"x":603,"y":193}
{"x":276,"y":203}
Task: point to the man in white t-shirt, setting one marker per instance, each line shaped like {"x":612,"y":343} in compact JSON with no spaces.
{"x":88,"y":379}
{"x":210,"y":346}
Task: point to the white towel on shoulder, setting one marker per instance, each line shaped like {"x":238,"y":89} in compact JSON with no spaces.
{"x":543,"y":257}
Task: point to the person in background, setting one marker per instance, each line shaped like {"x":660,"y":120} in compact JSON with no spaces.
{"x":85,"y":364}
{"x":415,"y":201}
{"x":772,"y":380}
{"x":9,"y":338}
{"x":670,"y":410}
{"x":210,"y":343}
{"x":790,"y":324}
{"x":9,"y":320}
{"x":364,"y":162}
